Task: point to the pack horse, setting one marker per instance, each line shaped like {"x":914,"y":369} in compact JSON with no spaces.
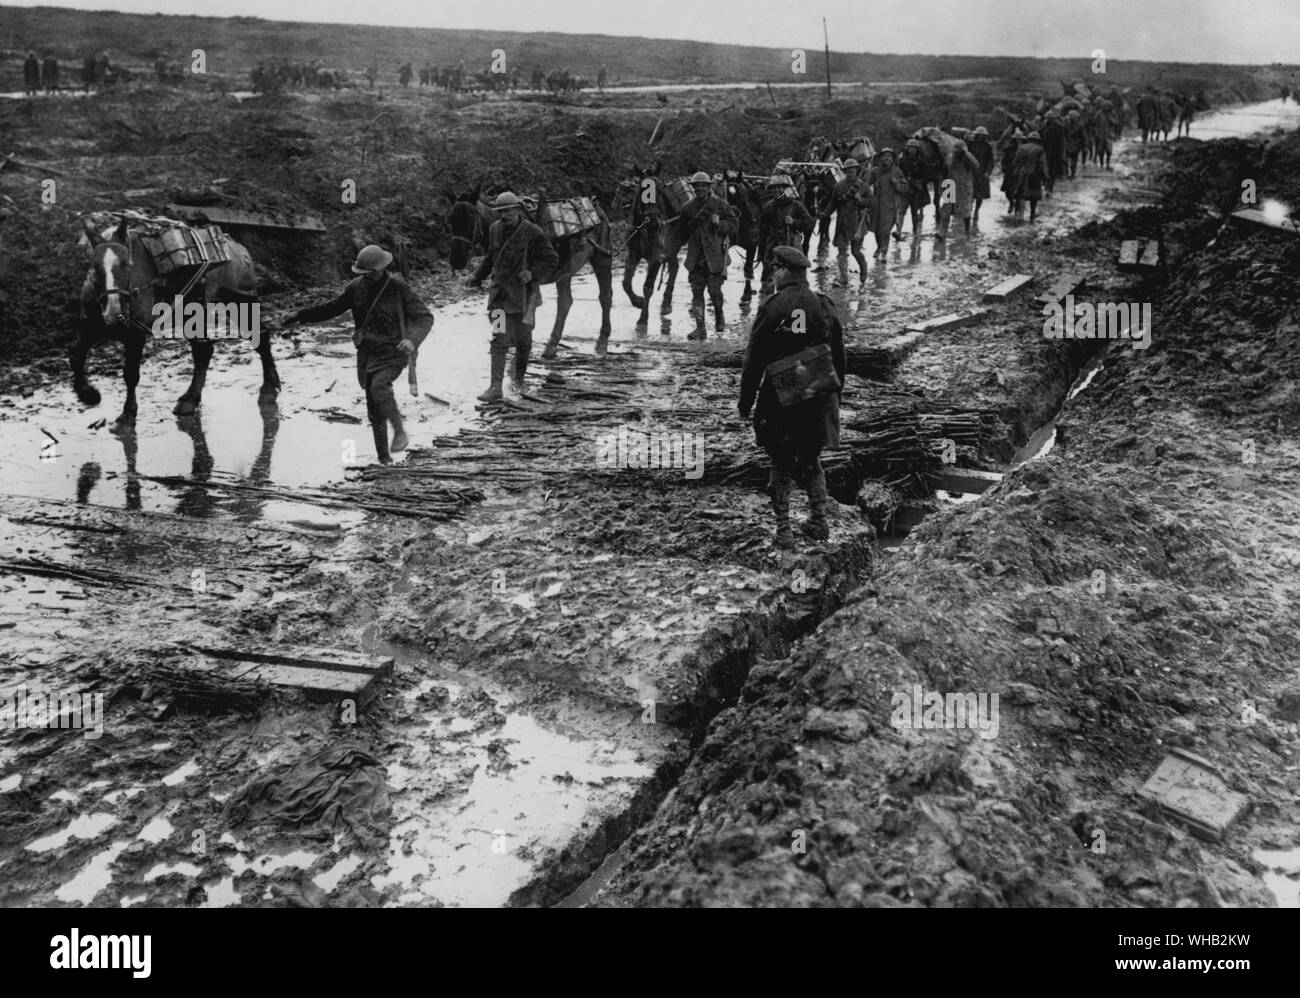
{"x":139,"y":262}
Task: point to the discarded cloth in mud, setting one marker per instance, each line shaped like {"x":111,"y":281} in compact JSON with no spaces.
{"x":340,"y":789}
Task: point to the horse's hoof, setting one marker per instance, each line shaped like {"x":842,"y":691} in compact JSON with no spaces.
{"x":267,"y":395}
{"x":88,"y":395}
{"x":548,"y":353}
{"x":602,"y":346}
{"x":124,"y":423}
{"x":185,"y":406}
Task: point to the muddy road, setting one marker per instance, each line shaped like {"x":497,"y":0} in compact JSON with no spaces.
{"x":560,"y":636}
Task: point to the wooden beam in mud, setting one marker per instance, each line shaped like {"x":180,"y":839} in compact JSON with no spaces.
{"x":968,"y":481}
{"x":322,"y":673}
{"x":233,"y":218}
{"x":952,"y":320}
{"x":875,"y":363}
{"x":1004,"y":290}
{"x":1066,"y":284}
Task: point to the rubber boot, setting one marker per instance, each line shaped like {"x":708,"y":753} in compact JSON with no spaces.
{"x":816,"y":526}
{"x":719,"y":323}
{"x":780,"y":489}
{"x":493,"y":393}
{"x":697,"y":313}
{"x":394,"y":417}
{"x":843,"y":263}
{"x":379,"y":429}
{"x":517,"y":375}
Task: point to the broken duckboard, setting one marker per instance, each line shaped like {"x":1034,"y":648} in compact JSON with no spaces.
{"x":1005,"y":289}
{"x":1067,"y":284}
{"x":968,"y":481}
{"x":1187,"y":787}
{"x":952,"y":320}
{"x":233,"y":218}
{"x":323,"y":674}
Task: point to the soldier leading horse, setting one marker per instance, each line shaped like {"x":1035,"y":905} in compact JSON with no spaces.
{"x":470,"y":218}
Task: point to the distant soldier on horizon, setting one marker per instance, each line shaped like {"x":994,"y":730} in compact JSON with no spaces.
{"x":31,"y":75}
{"x":50,"y":74}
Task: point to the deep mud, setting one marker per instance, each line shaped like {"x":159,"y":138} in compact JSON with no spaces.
{"x":1129,"y":592}
{"x":581,"y":651}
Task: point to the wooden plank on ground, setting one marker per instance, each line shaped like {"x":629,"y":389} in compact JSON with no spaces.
{"x":1129,"y":253}
{"x":233,"y":218}
{"x":1150,"y":259}
{"x":1066,"y":284}
{"x":1004,"y":290}
{"x":968,"y":481}
{"x":952,"y":320}
{"x":321,"y":673}
{"x":1255,"y":216}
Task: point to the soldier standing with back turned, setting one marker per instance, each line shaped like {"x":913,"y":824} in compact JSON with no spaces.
{"x":789,"y":322}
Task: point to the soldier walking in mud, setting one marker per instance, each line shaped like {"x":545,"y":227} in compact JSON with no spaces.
{"x":783,"y":221}
{"x":848,"y":199}
{"x":887,"y":188}
{"x":1029,"y":171}
{"x":518,"y":260}
{"x":706,"y":224}
{"x":391,"y":323}
{"x":790,"y":322}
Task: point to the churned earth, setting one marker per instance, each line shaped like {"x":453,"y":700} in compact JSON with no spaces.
{"x":582,"y":650}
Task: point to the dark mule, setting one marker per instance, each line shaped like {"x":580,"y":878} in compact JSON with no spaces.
{"x":652,"y":239}
{"x":469,"y":221}
{"x":117,"y":301}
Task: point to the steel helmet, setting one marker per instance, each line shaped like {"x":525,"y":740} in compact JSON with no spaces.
{"x":506,"y":199}
{"x":849,"y":164}
{"x":371,"y":259}
{"x":700,"y":178}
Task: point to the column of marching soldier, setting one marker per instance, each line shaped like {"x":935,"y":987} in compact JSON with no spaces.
{"x":390,"y":323}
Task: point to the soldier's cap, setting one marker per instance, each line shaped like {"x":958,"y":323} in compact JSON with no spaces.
{"x":1035,"y":135}
{"x":1017,"y":134}
{"x":913,"y":144}
{"x":372,"y":258}
{"x":700,"y":178}
{"x":506,"y":199}
{"x":849,"y":164}
{"x":980,"y":131}
{"x":791,"y":259}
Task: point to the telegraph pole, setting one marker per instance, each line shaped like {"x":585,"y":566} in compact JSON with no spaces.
{"x":827,"y":39}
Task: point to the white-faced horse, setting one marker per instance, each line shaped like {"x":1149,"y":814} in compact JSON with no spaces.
{"x":117,"y":303}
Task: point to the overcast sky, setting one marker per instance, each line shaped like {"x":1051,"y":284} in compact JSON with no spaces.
{"x":1253,"y":31}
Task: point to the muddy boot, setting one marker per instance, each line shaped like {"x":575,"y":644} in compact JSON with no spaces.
{"x":816,"y":526}
{"x":843,"y":280}
{"x":379,"y":428}
{"x":394,"y":417}
{"x":520,"y":369}
{"x":780,"y":489}
{"x":493,"y":393}
{"x":697,"y":313}
{"x":719,"y":323}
